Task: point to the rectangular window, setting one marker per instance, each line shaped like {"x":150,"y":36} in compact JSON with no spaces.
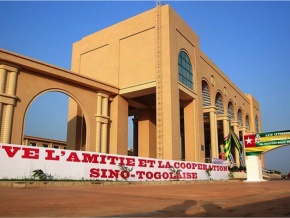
{"x":32,"y":144}
{"x":56,"y":146}
{"x":45,"y":145}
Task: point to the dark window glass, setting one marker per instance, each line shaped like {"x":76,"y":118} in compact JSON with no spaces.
{"x":185,"y":70}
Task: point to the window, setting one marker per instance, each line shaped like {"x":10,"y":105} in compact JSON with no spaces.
{"x":219,"y":104}
{"x":205,"y":95}
{"x":247,"y":123}
{"x":32,"y":144}
{"x":45,"y":145}
{"x":56,"y":146}
{"x":185,"y":70}
{"x":240,"y":119}
{"x":231,"y":111}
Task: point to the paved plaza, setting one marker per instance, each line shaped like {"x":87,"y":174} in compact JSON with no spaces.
{"x":179,"y":199}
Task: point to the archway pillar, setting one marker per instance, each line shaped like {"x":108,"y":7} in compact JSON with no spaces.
{"x":118,"y":126}
{"x":147,"y":133}
{"x":102,"y":120}
{"x":8,"y":84}
{"x":192,"y":148}
{"x":254,"y":169}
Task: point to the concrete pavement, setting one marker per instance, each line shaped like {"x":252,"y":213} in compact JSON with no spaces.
{"x":196,"y":199}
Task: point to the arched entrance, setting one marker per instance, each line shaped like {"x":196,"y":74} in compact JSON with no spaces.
{"x":257,"y":144}
{"x":50,"y":109}
{"x":23,"y":79}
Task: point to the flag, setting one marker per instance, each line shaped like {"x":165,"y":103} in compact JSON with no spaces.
{"x":236,"y":141}
{"x":250,"y":146}
{"x":230,"y":139}
{"x":250,"y":140}
{"x":227,"y":142}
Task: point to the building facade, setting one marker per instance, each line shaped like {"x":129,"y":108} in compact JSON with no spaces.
{"x":151,"y":67}
{"x":43,"y":142}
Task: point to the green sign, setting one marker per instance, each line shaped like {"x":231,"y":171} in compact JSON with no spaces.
{"x":273,"y":138}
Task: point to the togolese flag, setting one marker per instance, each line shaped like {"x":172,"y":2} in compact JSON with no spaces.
{"x":257,"y":143}
{"x":249,"y":140}
{"x":250,"y":145}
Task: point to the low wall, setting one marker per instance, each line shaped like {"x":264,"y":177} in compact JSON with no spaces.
{"x":24,"y":162}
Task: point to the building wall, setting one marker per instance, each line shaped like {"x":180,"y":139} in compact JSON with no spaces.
{"x":125,"y":55}
{"x":43,"y":142}
{"x":119,"y":54}
{"x":116,"y":77}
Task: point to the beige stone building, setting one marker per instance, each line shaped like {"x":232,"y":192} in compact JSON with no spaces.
{"x":43,"y":142}
{"x":149,"y":66}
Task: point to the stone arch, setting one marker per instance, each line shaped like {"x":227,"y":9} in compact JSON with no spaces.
{"x":27,"y":95}
{"x":71,"y":96}
{"x":32,"y":77}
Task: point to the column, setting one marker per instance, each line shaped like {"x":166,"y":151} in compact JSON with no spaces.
{"x":102,"y":120}
{"x":104,"y":137}
{"x":3,"y":75}
{"x":119,"y":126}
{"x":8,"y":83}
{"x":98,"y":136}
{"x":213,"y":133}
{"x":104,"y":140}
{"x":12,"y":81}
{"x":192,"y":151}
{"x":147,"y":133}
{"x":7,"y":123}
{"x":98,"y":123}
{"x":226,"y":125}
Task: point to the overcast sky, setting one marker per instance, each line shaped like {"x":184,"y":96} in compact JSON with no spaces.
{"x":247,"y":40}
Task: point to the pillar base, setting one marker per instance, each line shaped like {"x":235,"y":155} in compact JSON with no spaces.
{"x":254,"y":170}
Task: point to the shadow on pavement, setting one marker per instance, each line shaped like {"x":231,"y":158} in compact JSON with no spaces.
{"x":191,"y":208}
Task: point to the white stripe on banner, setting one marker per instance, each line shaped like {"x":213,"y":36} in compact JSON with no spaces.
{"x":19,"y":162}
